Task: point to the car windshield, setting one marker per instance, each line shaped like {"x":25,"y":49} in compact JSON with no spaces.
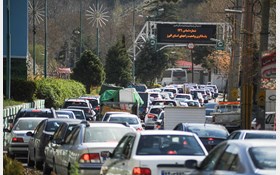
{"x":210,"y":105}
{"x":168,"y":145}
{"x":201,"y":131}
{"x":26,"y":124}
{"x":263,"y":157}
{"x":108,"y":134}
{"x":79,"y":115}
{"x":129,"y":120}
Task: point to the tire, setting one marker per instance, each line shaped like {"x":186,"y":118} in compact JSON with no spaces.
{"x":30,"y":162}
{"x":46,"y":169}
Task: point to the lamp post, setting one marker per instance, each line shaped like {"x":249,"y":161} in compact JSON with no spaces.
{"x":46,"y":41}
{"x":133,"y":38}
{"x":190,"y":47}
{"x":34,"y":39}
{"x":8,"y":57}
{"x":80,"y":54}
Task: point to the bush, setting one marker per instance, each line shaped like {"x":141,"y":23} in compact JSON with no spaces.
{"x":55,"y":91}
{"x":12,"y":167}
{"x":22,"y":90}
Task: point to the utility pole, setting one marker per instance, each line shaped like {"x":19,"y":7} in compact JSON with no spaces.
{"x":233,"y":82}
{"x":260,"y":118}
{"x":8,"y":56}
{"x":247,"y":65}
{"x":46,"y":40}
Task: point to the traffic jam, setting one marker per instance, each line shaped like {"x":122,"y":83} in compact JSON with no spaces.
{"x":178,"y":129}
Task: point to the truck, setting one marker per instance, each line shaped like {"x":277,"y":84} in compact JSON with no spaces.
{"x":227,"y":114}
{"x":180,"y":114}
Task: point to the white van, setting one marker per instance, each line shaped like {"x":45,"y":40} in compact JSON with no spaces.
{"x":269,"y":121}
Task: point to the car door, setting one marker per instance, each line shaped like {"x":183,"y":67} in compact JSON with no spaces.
{"x":121,"y":156}
{"x":61,"y":153}
{"x":38,"y":134}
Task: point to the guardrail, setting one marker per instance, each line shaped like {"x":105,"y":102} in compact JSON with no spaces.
{"x":11,"y":111}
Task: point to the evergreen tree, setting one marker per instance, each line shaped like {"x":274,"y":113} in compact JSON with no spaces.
{"x":89,"y":70}
{"x":150,"y":64}
{"x":118,"y":65}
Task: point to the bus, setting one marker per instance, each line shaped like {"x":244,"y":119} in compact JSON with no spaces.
{"x":174,"y":76}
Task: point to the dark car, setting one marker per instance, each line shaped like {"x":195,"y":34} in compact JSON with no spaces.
{"x":59,"y":136}
{"x":89,"y":112}
{"x":209,"y":134}
{"x":40,"y":138}
{"x":34,"y":112}
{"x":95,"y":103}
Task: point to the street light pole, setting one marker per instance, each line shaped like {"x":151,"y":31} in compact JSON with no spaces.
{"x":80,"y":54}
{"x":97,"y":31}
{"x":46,"y":41}
{"x":8,"y":57}
{"x":133,"y":38}
{"x":34,"y":39}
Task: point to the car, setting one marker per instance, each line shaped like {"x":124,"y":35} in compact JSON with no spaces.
{"x":107,"y":114}
{"x":76,"y":102}
{"x":59,"y":136}
{"x":94,"y":101}
{"x":152,"y":120}
{"x":133,"y":120}
{"x":191,"y":103}
{"x":65,"y":114}
{"x":89,"y":112}
{"x":209,"y":108}
{"x":242,"y":157}
{"x":17,"y":140}
{"x":79,"y":113}
{"x":244,"y":134}
{"x":269,"y":121}
{"x":33,"y":112}
{"x":39,"y":139}
{"x":87,"y":146}
{"x":182,"y":97}
{"x":154,"y":152}
{"x":209,"y":134}
{"x":165,"y":102}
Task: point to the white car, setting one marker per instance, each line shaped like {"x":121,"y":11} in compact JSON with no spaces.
{"x":18,"y":139}
{"x":154,"y":152}
{"x":133,"y":120}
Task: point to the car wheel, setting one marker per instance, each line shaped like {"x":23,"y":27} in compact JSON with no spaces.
{"x":30,"y":162}
{"x":46,"y":169}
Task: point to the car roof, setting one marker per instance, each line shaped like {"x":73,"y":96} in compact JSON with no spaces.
{"x":107,"y":124}
{"x":71,"y":109}
{"x":165,"y":132}
{"x":123,"y":115}
{"x":35,"y":109}
{"x":254,"y":142}
{"x":32,"y":118}
{"x":63,"y":119}
{"x":255,"y":131}
{"x":117,"y":112}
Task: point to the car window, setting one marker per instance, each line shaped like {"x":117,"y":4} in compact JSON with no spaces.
{"x":109,"y":134}
{"x":72,"y":135}
{"x":179,"y":127}
{"x":129,"y":120}
{"x":39,"y":129}
{"x":230,"y":160}
{"x":234,"y":136}
{"x":168,"y":145}
{"x":26,"y":124}
{"x":59,"y":132}
{"x":122,"y":149}
{"x":210,"y":161}
{"x":263,"y":157}
{"x":53,"y":125}
{"x":260,"y":136}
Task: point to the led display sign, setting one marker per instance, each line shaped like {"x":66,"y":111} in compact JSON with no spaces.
{"x":186,"y":33}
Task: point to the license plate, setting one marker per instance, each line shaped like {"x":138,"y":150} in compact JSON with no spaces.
{"x":172,"y":173}
{"x":104,"y":155}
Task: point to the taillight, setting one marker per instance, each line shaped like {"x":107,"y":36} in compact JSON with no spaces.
{"x":151,"y":115}
{"x":17,"y":139}
{"x":210,"y":139}
{"x":90,"y":158}
{"x":139,"y":129}
{"x":97,"y":108}
{"x":141,"y":171}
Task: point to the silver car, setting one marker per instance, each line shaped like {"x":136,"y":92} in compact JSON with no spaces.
{"x":244,"y":134}
{"x":242,"y":157}
{"x":87,"y":147}
{"x":133,"y":120}
{"x":17,"y":139}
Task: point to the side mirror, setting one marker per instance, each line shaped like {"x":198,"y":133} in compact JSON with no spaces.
{"x":29,"y":133}
{"x":143,"y":125}
{"x":191,"y":164}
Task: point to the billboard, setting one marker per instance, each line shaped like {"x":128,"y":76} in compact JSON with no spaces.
{"x":18,"y":28}
{"x":186,"y":33}
{"x":268,"y":65}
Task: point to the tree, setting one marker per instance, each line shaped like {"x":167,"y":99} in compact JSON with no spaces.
{"x":220,"y":60}
{"x":118,"y":65}
{"x":89,"y":70}
{"x":150,"y":64}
